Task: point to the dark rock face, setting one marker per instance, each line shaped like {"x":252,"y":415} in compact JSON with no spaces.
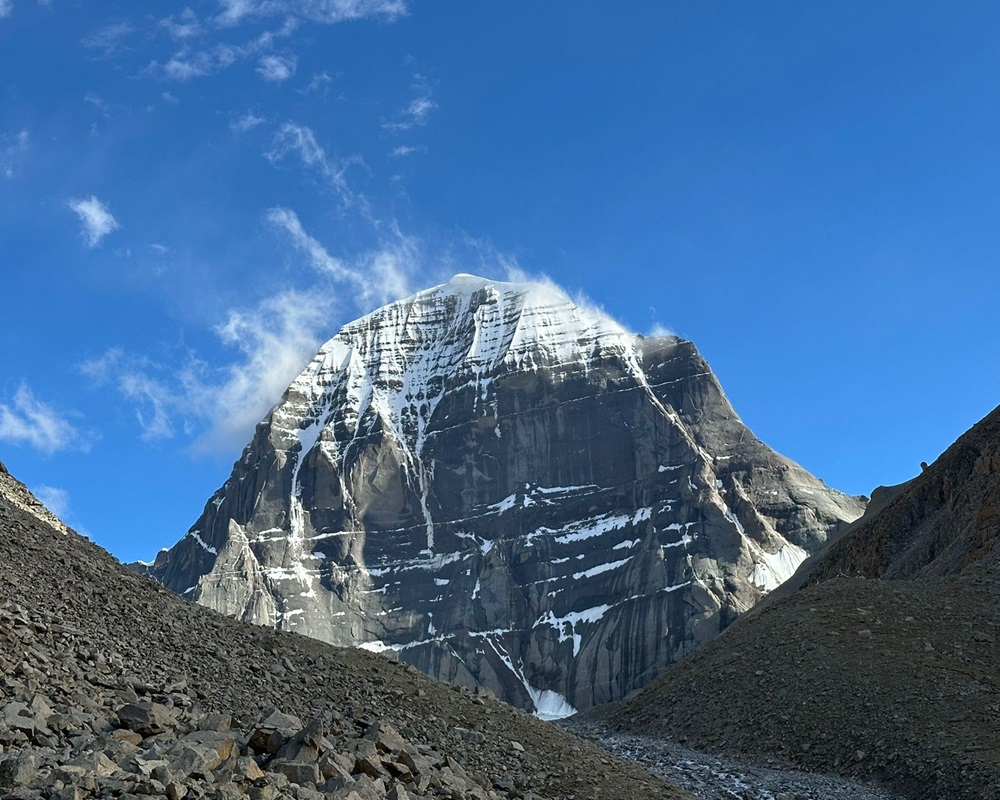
{"x":508,"y":490}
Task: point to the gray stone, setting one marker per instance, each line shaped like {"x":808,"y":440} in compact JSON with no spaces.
{"x":146,"y":718}
{"x":18,"y":771}
{"x":300,"y":772}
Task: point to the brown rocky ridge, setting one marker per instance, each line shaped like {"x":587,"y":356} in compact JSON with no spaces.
{"x":884,"y":666}
{"x":114,"y":687}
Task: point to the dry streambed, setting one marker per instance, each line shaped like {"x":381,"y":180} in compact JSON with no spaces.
{"x":714,"y":778}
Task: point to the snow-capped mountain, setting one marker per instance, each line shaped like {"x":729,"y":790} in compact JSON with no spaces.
{"x":505,"y":488}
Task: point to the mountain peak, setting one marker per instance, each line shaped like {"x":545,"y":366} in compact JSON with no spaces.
{"x":507,"y":488}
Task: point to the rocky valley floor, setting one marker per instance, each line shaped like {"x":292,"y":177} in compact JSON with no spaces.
{"x":113,"y":687}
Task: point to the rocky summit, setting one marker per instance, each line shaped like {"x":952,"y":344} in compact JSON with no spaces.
{"x":113,"y":687}
{"x":510,"y":490}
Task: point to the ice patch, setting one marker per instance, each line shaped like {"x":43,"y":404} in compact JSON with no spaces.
{"x":194,"y":535}
{"x":376,"y":646}
{"x":549,"y":705}
{"x":684,"y":541}
{"x":733,"y":519}
{"x":572,"y":619}
{"x":590,"y":573}
{"x":773,"y":569}
{"x":593,"y":527}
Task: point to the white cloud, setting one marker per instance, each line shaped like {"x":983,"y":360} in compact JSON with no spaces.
{"x":6,"y":8}
{"x":319,"y":259}
{"x":159,"y":249}
{"x":660,"y":329}
{"x":187,"y":64}
{"x":299,"y":140}
{"x":276,"y":340}
{"x":416,"y":112}
{"x":273,"y":340}
{"x":327,"y":12}
{"x":184,"y":26}
{"x":320,"y":83}
{"x":134,"y":377}
{"x":13,"y":148}
{"x":402,"y":151}
{"x":247,"y":122}
{"x":28,"y":420}
{"x":152,"y":399}
{"x":110,"y":39}
{"x":276,"y":69}
{"x":196,"y":62}
{"x":96,"y":220}
{"x":54,"y":499}
{"x":381,"y":275}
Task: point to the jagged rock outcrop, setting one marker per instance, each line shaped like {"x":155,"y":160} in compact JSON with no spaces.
{"x":944,"y":522}
{"x":507,"y":489}
{"x":18,"y":494}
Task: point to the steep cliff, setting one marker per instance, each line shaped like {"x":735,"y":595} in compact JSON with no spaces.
{"x":509,"y":489}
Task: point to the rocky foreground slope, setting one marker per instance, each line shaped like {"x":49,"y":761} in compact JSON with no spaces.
{"x":509,"y":490}
{"x":113,"y":687}
{"x":893,"y":677}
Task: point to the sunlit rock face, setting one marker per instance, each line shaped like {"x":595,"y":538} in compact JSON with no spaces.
{"x":505,"y":488}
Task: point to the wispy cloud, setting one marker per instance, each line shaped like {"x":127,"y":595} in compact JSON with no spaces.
{"x":96,"y":221}
{"x":6,"y":8}
{"x":276,"y":340}
{"x":219,"y":407}
{"x":381,"y":275}
{"x":275,"y":68}
{"x":151,"y":397}
{"x":96,"y":101}
{"x":300,"y":141}
{"x":13,"y":148}
{"x":659,"y":329}
{"x":197,"y":60}
{"x":286,"y":220}
{"x":247,"y":122}
{"x":403,"y":151}
{"x":110,"y":39}
{"x":30,"y":421}
{"x":185,"y":25}
{"x":320,"y":83}
{"x":415,"y":112}
{"x":326,"y":12}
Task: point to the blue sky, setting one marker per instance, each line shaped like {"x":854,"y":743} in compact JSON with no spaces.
{"x":193,"y":197}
